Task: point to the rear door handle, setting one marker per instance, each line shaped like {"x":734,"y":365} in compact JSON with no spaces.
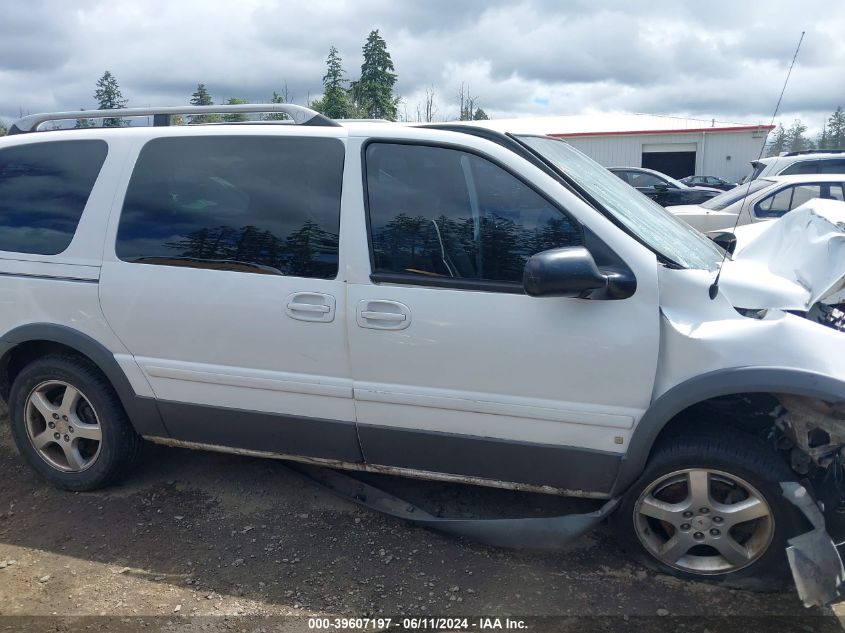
{"x":377,"y":314}
{"x":310,"y":306}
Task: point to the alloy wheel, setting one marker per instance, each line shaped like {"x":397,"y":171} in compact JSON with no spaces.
{"x":704,"y":521}
{"x":62,"y":426}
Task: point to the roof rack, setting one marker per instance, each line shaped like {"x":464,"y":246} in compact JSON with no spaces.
{"x":813,"y":151}
{"x":161,"y":116}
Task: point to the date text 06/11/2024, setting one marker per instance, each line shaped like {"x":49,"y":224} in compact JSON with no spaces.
{"x":413,"y":624}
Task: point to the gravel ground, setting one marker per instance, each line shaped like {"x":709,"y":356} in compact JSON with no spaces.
{"x":198,"y":541}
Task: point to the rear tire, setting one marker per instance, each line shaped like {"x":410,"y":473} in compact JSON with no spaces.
{"x":69,"y":424}
{"x":711,"y":509}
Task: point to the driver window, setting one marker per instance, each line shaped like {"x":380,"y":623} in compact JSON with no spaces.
{"x":439,"y":212}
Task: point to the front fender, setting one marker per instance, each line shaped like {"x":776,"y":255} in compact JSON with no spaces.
{"x":723,"y":382}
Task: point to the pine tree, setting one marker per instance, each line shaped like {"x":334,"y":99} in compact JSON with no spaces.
{"x":480,"y":115}
{"x":836,"y":129}
{"x":796,"y":141}
{"x":822,"y":142}
{"x":109,"y":97}
{"x":201,"y":97}
{"x":303,"y":249}
{"x":3,"y":130}
{"x":779,"y":142}
{"x":373,"y":92}
{"x":335,"y":102}
{"x":235,"y":117}
{"x":283,"y":97}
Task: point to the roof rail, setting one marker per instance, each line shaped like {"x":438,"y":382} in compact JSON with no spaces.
{"x":161,"y":116}
{"x":813,"y":151}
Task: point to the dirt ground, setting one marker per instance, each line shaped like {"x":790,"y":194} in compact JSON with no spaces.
{"x":204,"y":542}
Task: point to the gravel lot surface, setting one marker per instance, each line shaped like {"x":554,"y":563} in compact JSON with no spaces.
{"x":204,"y":542}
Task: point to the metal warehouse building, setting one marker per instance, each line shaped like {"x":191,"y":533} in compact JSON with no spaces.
{"x":675,"y":146}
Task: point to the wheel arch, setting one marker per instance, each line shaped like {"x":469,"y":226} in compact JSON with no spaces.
{"x":720,"y":383}
{"x":37,"y":339}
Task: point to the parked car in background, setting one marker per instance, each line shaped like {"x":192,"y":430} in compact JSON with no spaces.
{"x":758,"y":200}
{"x":810,"y":161}
{"x":713,"y":182}
{"x":661,"y":188}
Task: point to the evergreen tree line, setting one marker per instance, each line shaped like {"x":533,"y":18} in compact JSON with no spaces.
{"x":503,"y":246}
{"x":794,"y":139}
{"x":308,"y":251}
{"x":371,"y":96}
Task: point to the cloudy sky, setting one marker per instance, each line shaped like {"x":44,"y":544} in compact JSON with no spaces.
{"x":719,"y":59}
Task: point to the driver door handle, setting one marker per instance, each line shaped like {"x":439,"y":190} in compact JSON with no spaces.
{"x":308,"y":307}
{"x":378,"y":314}
{"x":382,"y":316}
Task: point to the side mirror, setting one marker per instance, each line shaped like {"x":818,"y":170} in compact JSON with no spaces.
{"x":563,"y":272}
{"x":661,"y":186}
{"x":725,"y":239}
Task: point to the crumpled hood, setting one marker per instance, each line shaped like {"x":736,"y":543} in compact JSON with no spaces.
{"x":790,"y":263}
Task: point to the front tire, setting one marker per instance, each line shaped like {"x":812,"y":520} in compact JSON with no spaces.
{"x":69,"y":425}
{"x":711,"y":509}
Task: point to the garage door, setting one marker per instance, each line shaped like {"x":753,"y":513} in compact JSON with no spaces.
{"x":674,"y":159}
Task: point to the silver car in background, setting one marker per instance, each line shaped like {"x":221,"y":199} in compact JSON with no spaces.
{"x":759,"y":200}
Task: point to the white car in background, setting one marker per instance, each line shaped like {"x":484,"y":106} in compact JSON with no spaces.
{"x":760,"y":200}
{"x":808,"y":161}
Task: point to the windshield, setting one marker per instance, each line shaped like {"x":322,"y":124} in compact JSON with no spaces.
{"x":653,"y":225}
{"x":724,"y":200}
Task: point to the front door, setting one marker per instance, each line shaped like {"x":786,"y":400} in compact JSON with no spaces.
{"x":221,"y":280}
{"x":456,"y":369}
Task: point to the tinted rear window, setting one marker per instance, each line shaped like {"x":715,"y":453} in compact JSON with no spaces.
{"x":833,"y":166}
{"x":44,"y":188}
{"x":241,"y":203}
{"x":802,"y":167}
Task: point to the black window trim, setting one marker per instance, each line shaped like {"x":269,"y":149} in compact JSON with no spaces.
{"x":409,"y":279}
{"x":212,"y":264}
{"x":101,"y":141}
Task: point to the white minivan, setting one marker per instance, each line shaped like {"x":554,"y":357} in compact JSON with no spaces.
{"x":453,"y":303}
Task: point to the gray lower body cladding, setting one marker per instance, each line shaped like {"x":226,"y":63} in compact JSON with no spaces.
{"x":479,"y":460}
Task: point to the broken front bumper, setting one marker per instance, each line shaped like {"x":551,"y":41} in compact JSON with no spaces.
{"x":813,"y":557}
